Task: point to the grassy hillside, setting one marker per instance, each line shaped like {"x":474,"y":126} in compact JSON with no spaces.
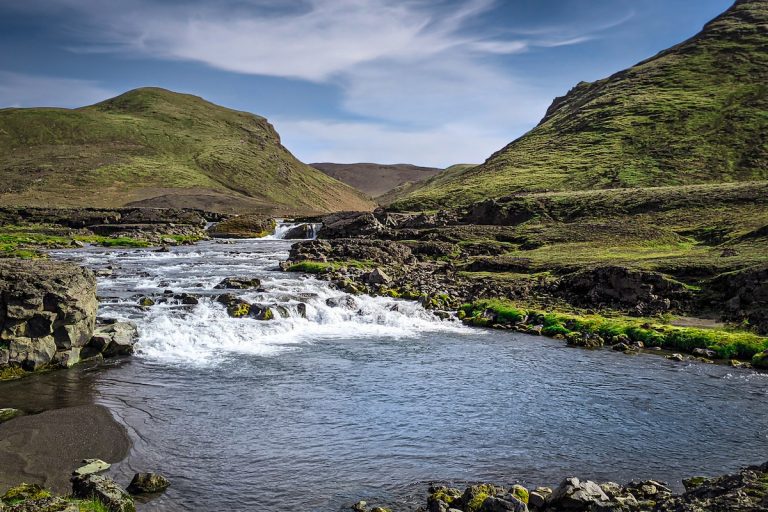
{"x":154,"y":147}
{"x":696,"y":113}
{"x":408,"y":187}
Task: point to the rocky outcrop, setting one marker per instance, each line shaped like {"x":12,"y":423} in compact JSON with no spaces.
{"x":351,"y":224}
{"x":47,"y":312}
{"x":379,"y":251}
{"x":742,"y":296}
{"x":300,"y":232}
{"x":104,"y":489}
{"x":644,"y":292}
{"x":745,"y":491}
{"x":48,"y":317}
{"x":244,"y":226}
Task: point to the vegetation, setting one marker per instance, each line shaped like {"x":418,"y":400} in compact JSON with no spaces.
{"x":155,"y":147}
{"x":696,"y":113}
{"x":727,"y":344}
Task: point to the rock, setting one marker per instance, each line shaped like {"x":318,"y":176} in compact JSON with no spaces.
{"x":146,"y":302}
{"x":105,"y":490}
{"x":360,"y":506}
{"x":8,"y":414}
{"x":676,"y":357}
{"x":507,"y":503}
{"x":92,"y":466}
{"x":377,"y":276}
{"x":617,"y":286}
{"x":577,"y":339}
{"x":32,"y":354}
{"x":474,"y":497}
{"x":300,"y":232}
{"x":537,"y":499}
{"x":45,"y":307}
{"x":243,"y":226}
{"x":120,"y":337}
{"x":238,"y":283}
{"x":345,"y":302}
{"x":575,"y":495}
{"x":67,"y":358}
{"x":760,"y":360}
{"x":705,"y":352}
{"x":148,"y":483}
{"x":351,"y":224}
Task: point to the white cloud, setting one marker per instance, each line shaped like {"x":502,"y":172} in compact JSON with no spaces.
{"x":22,"y":90}
{"x":428,"y":87}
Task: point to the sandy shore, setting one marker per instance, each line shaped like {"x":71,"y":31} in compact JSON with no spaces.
{"x":45,"y":448}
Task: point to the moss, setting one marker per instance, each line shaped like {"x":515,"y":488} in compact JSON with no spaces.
{"x":11,"y":373}
{"x":726,"y":343}
{"x":268,"y":314}
{"x":310,"y":267}
{"x":760,"y":360}
{"x":475,"y":496}
{"x":24,"y":492}
{"x":239,"y":310}
{"x":520,"y":492}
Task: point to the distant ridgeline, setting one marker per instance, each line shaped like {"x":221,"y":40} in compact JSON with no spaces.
{"x":152,"y":147}
{"x":694,"y":114}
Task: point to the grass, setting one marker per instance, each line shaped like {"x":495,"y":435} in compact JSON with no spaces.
{"x":697,"y":113}
{"x":31,"y":240}
{"x":726,"y":343}
{"x":150,"y":142}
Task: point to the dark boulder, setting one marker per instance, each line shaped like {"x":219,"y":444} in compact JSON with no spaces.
{"x":300,"y":232}
{"x":351,"y":224}
{"x":238,"y":283}
{"x":148,"y":483}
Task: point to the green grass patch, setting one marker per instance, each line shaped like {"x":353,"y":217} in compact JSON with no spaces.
{"x":726,"y":343}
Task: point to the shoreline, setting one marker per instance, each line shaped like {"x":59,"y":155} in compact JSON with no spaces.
{"x":45,"y":448}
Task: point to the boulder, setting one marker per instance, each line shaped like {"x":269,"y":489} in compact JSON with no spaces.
{"x":508,"y":503}
{"x":104,"y":489}
{"x":576,"y":495}
{"x":378,"y":276}
{"x":238,"y":283}
{"x":91,"y":467}
{"x":148,"y":483}
{"x":351,"y":224}
{"x":705,"y":352}
{"x":45,"y":307}
{"x":300,"y":232}
{"x":117,"y":339}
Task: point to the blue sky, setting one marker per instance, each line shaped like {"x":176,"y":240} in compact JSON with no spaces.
{"x":425,"y":82}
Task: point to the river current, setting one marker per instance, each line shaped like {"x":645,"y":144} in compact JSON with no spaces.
{"x":375,"y":398}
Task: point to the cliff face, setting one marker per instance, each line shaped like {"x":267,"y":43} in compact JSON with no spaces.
{"x":47,"y":313}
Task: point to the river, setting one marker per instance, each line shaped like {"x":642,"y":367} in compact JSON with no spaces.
{"x":374,"y":400}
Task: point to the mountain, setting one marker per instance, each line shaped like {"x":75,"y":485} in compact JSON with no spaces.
{"x":376,"y":179}
{"x":694,"y":114}
{"x":153,"y":147}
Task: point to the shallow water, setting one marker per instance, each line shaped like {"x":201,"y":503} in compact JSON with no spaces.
{"x":371,"y":402}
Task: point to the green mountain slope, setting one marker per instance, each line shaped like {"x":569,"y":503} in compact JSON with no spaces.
{"x":154,"y":147}
{"x":696,"y":113}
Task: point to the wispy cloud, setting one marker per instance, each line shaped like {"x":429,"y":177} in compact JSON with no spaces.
{"x":22,"y":90}
{"x":412,"y":66}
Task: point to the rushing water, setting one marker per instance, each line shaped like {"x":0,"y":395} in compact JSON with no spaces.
{"x":374,"y":400}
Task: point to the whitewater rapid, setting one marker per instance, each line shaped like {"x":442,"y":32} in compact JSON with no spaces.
{"x":204,"y":334}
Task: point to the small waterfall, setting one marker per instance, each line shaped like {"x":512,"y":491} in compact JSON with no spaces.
{"x":283,"y":228}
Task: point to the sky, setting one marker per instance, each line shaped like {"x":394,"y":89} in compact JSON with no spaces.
{"x":425,"y":82}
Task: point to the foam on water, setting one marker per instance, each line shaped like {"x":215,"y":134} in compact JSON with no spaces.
{"x":204,"y":334}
